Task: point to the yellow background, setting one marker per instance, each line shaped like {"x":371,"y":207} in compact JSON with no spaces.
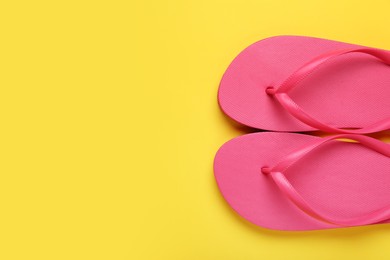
{"x":109,"y":126}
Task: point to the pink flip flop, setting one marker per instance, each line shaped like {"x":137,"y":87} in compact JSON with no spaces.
{"x":289,"y":181}
{"x":295,"y":83}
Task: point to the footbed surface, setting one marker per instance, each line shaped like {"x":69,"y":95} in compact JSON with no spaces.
{"x":341,"y":179}
{"x":349,"y":91}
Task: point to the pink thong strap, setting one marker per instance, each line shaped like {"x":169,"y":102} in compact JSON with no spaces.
{"x":276,"y":172}
{"x":295,"y":110}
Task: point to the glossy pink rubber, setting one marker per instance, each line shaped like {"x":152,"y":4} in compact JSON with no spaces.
{"x":290,"y":181}
{"x":295,"y":83}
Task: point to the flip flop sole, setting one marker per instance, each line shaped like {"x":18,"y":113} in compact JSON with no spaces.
{"x":350,"y":91}
{"x":342,"y":179}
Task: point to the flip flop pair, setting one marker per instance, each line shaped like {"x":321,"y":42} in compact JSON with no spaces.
{"x":289,"y":181}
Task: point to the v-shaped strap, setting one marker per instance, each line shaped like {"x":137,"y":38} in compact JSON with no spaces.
{"x":280,"y":93}
{"x":276,"y":173}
